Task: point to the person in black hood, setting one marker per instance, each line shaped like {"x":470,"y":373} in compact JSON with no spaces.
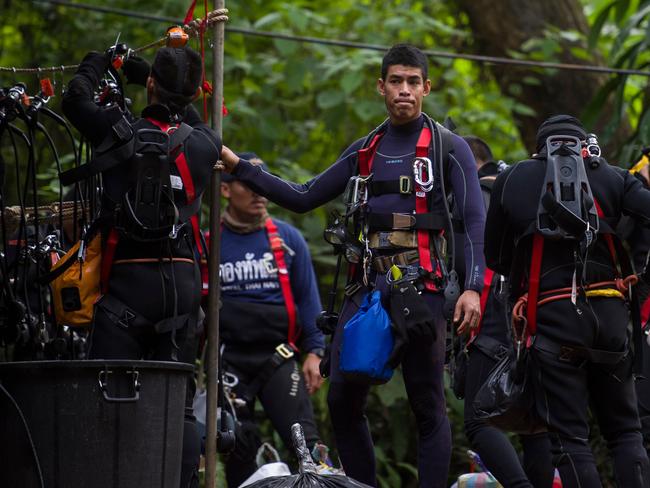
{"x":152,"y":285}
{"x":577,"y":336}
{"x":486,"y":346}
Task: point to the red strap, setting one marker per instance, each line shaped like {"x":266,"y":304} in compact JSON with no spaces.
{"x":108,"y":255}
{"x":283,"y":276}
{"x":609,"y":239}
{"x":422,"y":207}
{"x":485,"y":293}
{"x":533,"y":283}
{"x":190,"y":13}
{"x":190,"y":195}
{"x":645,"y":313}
{"x":366,"y":156}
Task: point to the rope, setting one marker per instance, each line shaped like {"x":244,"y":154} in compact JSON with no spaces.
{"x":350,"y":44}
{"x":193,"y":29}
{"x":46,"y":214}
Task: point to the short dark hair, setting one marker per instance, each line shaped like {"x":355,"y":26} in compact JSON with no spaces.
{"x":406,"y":55}
{"x":177,"y":73}
{"x":480,"y":148}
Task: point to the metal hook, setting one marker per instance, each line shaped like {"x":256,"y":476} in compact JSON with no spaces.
{"x":418,"y":165}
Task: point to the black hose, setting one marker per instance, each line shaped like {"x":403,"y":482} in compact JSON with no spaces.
{"x":37,"y":464}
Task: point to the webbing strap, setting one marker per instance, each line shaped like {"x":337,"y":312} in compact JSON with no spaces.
{"x":366,"y":155}
{"x":485,"y":293}
{"x":108,"y":255}
{"x":609,"y":239}
{"x":188,"y":182}
{"x":283,"y":277}
{"x":533,"y":283}
{"x":421,"y":207}
{"x":188,"y":185}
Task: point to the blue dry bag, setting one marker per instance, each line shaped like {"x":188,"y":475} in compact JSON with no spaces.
{"x":367,"y":343}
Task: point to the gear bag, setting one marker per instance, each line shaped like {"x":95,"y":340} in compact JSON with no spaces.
{"x":367,"y":343}
{"x":75,"y":282}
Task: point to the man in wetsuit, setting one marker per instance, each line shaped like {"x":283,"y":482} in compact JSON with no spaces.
{"x":392,"y":200}
{"x":150,"y":306}
{"x":580,"y":356}
{"x":263,"y":316}
{"x":488,"y":343}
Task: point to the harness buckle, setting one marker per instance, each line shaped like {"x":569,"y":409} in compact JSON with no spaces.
{"x":426,"y":185}
{"x":405,"y":186}
{"x":284,"y":351}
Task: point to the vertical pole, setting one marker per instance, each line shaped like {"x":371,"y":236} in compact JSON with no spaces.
{"x":214,"y":258}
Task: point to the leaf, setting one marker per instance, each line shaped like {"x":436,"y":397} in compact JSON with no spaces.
{"x":267,"y":19}
{"x":597,"y":26}
{"x":330,"y":98}
{"x":351,"y":80}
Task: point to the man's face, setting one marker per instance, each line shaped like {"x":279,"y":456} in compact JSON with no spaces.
{"x":245,"y":204}
{"x":403,"y":91}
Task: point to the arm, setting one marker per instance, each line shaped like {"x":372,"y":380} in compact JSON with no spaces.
{"x":293,"y":196}
{"x":305,"y":292}
{"x":468,"y":196}
{"x":78,"y":105}
{"x":499,"y":238}
{"x":636,"y":197}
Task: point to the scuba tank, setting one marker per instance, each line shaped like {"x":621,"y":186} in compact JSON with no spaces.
{"x":566,"y":207}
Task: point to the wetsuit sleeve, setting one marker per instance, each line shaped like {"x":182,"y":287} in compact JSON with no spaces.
{"x":499,"y":237}
{"x":305,"y":291}
{"x":78,"y":105}
{"x":301,"y":197}
{"x":467,"y":193}
{"x":636,"y":197}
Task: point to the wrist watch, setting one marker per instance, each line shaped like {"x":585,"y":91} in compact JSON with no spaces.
{"x":319,"y":351}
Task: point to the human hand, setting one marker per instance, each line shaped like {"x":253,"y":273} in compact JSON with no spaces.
{"x":311,"y":372}
{"x":468,"y":308}
{"x":136,"y":70}
{"x":228,"y":159}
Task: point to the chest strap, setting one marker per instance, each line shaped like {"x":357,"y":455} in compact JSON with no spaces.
{"x":275,"y":241}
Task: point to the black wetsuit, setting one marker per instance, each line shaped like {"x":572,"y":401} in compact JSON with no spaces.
{"x":157,"y":289}
{"x":494,"y":447}
{"x":566,"y":389}
{"x":424,"y":361}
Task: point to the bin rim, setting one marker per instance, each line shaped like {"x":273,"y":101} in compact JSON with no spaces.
{"x":100,"y":363}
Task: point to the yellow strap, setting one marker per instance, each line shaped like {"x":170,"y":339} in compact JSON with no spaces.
{"x":605,"y":292}
{"x":641,"y":163}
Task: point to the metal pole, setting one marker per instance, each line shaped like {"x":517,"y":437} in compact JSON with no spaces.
{"x":214,"y":258}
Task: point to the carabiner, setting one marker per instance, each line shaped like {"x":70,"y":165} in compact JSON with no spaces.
{"x":418,"y":177}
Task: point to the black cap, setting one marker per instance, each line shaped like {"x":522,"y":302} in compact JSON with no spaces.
{"x":565,"y":125}
{"x":248,"y":156}
{"x":177,"y":72}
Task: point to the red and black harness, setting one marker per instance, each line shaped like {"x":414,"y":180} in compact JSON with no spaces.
{"x":524,"y":314}
{"x":423,"y":221}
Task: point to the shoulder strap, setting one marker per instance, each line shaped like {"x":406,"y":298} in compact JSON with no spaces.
{"x":275,"y":242}
{"x":533,"y":282}
{"x":366,"y":155}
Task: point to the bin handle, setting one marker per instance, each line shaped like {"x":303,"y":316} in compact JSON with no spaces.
{"x":103,"y":382}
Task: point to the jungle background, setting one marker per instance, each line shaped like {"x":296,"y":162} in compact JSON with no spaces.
{"x":298,"y":105}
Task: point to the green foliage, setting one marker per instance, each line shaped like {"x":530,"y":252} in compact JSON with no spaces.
{"x":299,"y":105}
{"x":621,"y":28}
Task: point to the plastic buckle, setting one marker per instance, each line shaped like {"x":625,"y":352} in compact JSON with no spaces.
{"x":284,"y":351}
{"x":405,"y":186}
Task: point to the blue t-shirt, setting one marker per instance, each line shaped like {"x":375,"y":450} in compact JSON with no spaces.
{"x":249,"y":273}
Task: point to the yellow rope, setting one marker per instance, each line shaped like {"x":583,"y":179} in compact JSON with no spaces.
{"x":605,"y":293}
{"x":192,"y":29}
{"x":640,"y":164}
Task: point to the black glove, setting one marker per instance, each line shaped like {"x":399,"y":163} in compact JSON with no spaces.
{"x":136,"y":70}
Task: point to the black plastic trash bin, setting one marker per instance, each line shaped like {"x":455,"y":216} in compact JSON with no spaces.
{"x":93,"y":424}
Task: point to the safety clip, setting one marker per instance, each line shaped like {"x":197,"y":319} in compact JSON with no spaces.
{"x":418,"y":173}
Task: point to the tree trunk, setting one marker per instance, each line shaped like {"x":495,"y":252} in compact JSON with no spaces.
{"x":502,"y":26}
